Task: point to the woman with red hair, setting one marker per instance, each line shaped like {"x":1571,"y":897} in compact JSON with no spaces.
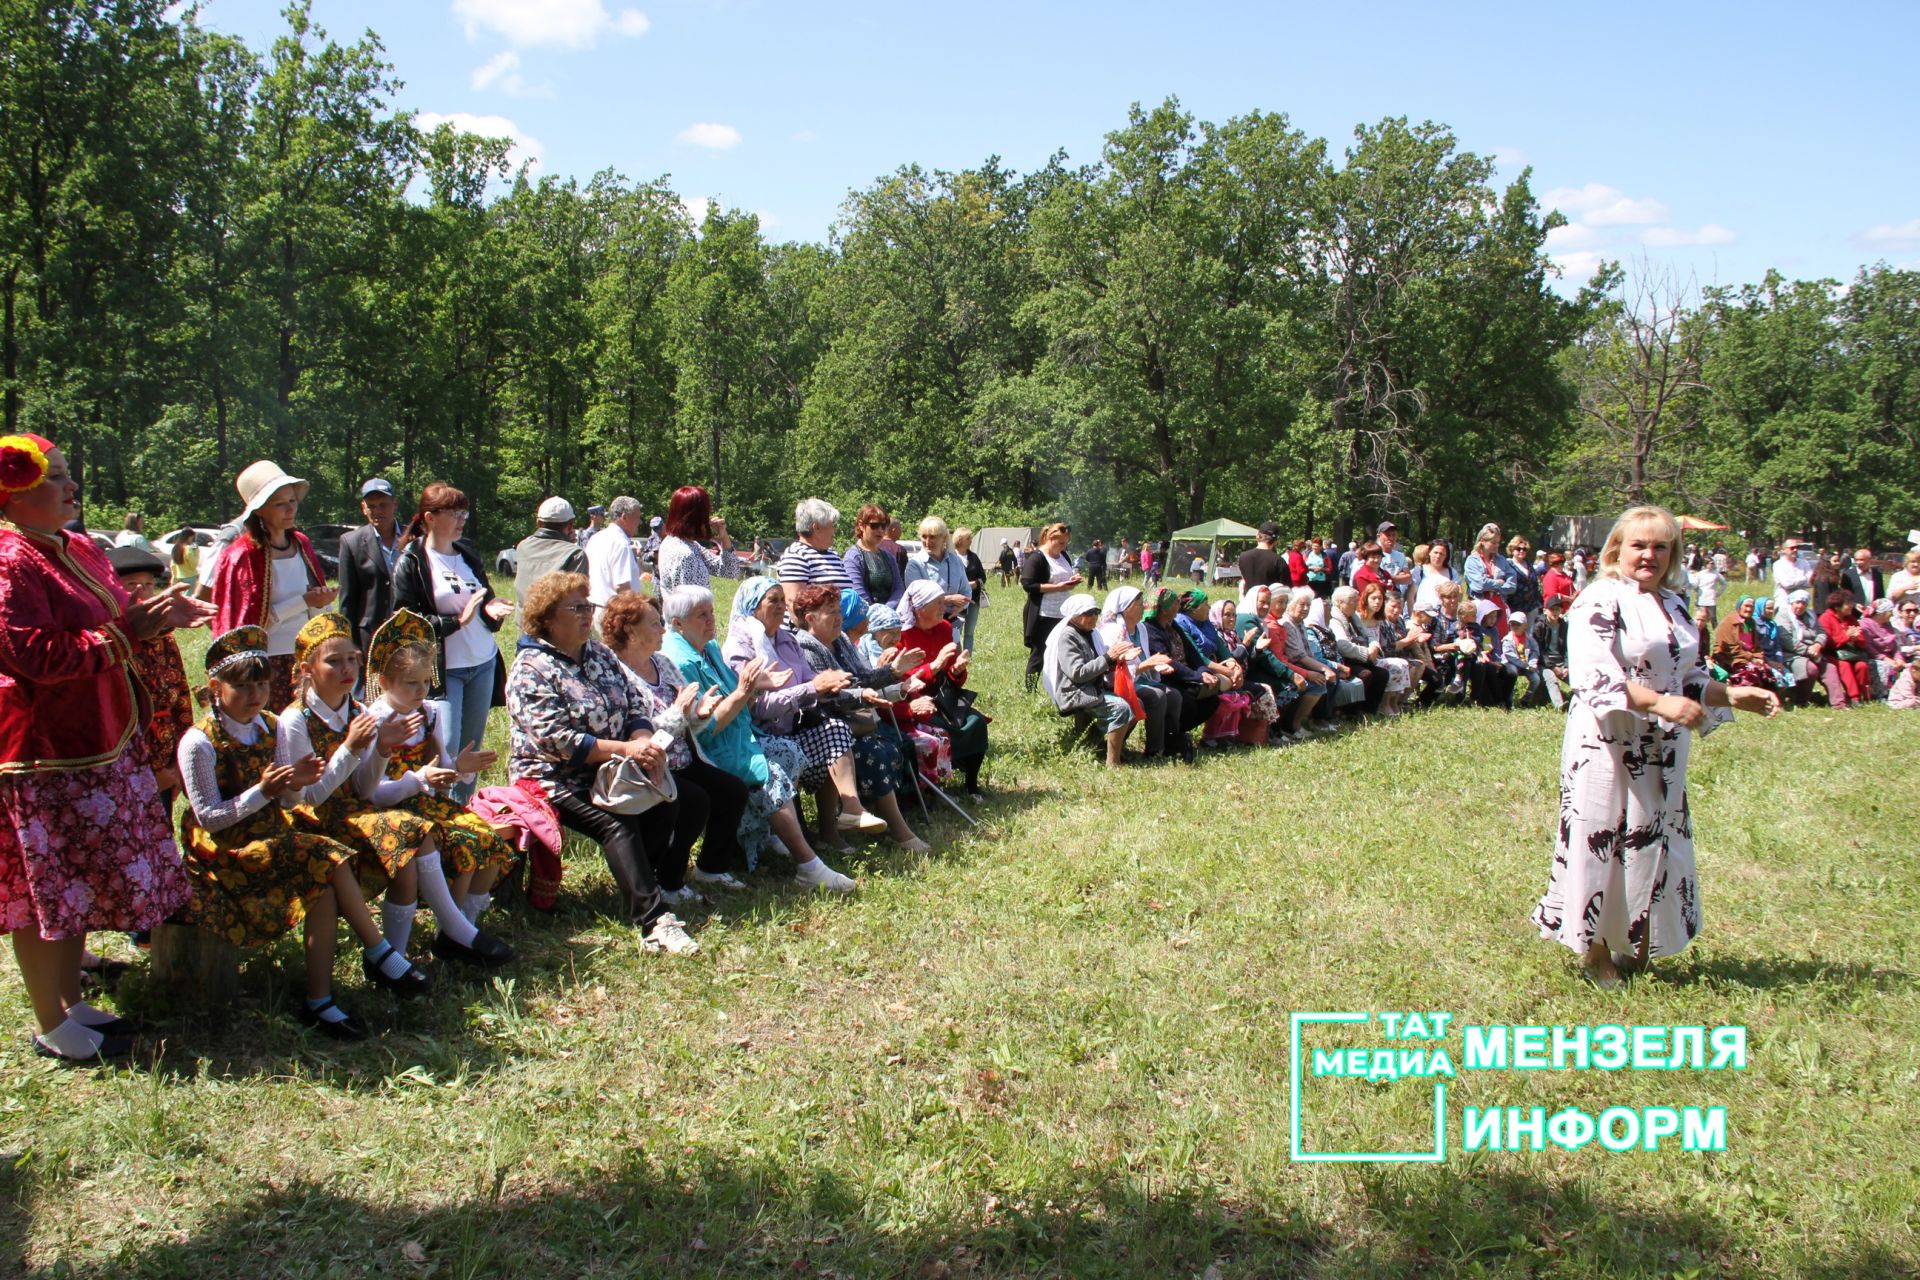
{"x":439,"y":576}
{"x":684,"y":559}
{"x":85,"y":840}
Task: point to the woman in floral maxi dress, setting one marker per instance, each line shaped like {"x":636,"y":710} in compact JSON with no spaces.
{"x":1623,"y":888}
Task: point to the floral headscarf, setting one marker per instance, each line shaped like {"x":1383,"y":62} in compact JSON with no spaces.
{"x":1192,"y":599}
{"x":1159,"y":600}
{"x":919,"y":594}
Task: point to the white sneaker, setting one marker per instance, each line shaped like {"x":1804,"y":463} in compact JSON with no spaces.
{"x":865,"y":822}
{"x":816,"y":874}
{"x":1322,"y":727}
{"x":670,"y":936}
{"x":685,"y":895}
{"x":718,"y":879}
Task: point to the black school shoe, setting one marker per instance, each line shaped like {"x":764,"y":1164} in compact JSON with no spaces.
{"x":111,"y":1047}
{"x":415,"y":982}
{"x":348,"y":1028}
{"x":486,"y":951}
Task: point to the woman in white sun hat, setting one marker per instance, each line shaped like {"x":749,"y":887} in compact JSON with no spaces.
{"x":270,"y":576}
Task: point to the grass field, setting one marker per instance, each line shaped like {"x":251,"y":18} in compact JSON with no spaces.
{"x":1059,"y":1046}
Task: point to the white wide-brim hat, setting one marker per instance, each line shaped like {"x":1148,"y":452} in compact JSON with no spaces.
{"x":260,"y":481}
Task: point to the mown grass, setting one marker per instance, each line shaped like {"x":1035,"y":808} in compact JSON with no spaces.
{"x":1059,"y":1047}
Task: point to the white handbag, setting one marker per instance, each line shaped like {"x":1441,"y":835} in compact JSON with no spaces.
{"x":623,"y":786}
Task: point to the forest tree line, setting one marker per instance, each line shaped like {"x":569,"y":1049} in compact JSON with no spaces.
{"x":210,"y":254}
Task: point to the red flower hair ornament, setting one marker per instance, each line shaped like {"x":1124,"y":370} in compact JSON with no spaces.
{"x":23,"y":463}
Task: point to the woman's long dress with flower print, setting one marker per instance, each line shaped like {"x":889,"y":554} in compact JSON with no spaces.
{"x":1623,"y":863}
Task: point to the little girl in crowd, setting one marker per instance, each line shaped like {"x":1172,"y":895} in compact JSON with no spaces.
{"x":417,"y":773}
{"x":395,"y":850}
{"x":255,"y":875}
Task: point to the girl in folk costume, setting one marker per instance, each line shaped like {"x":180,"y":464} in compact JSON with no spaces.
{"x":255,"y":874}
{"x":419,"y":771}
{"x":396,"y":850}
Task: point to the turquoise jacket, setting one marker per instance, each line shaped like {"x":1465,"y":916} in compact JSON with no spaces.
{"x":734,"y":748}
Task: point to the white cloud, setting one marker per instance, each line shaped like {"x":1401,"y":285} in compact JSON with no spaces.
{"x":695,"y":211}
{"x":1679,"y":238}
{"x":571,"y":24}
{"x":1599,"y":205}
{"x":805,"y":135}
{"x":1573,"y":235}
{"x":1895,"y":236}
{"x":503,"y":69}
{"x":768,"y":219}
{"x":714,"y":137}
{"x":1509,"y":159}
{"x":1578,"y":268}
{"x":524,"y":148}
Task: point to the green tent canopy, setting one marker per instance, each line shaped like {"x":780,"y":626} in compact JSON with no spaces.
{"x":1213,"y":533}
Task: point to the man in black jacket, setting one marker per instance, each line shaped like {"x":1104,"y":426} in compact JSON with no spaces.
{"x":1549,"y":643}
{"x":366,"y":562}
{"x":1864,"y":580}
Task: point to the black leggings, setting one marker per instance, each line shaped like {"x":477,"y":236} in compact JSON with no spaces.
{"x":1373,"y":683}
{"x":632,"y":843}
{"x":711,"y":800}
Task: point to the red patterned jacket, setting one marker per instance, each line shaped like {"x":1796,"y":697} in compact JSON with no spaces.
{"x":68,"y":699}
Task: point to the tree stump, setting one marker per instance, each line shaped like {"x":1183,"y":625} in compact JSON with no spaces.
{"x":195,"y":969}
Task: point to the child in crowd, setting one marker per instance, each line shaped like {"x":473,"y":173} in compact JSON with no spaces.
{"x":255,"y":876}
{"x":423,"y":767}
{"x":1517,"y":655}
{"x":396,"y":850}
{"x":157,"y":665}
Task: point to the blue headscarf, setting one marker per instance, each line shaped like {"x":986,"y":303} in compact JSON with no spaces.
{"x":853,"y":610}
{"x":750,"y":594}
{"x":882,"y":617}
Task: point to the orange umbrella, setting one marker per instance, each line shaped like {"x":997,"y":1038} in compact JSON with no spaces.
{"x":1694,"y":524}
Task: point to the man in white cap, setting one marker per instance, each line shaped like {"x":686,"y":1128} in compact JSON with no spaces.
{"x":550,"y":548}
{"x":650,"y":552}
{"x":366,"y":562}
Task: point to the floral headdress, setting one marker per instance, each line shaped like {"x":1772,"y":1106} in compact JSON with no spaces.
{"x":320,"y":628}
{"x":235,"y":647}
{"x":403,"y":630}
{"x":23,"y":462}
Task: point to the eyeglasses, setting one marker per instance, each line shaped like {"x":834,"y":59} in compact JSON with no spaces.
{"x":583,"y":609}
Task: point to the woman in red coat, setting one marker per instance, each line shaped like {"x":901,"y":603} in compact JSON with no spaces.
{"x":270,"y":576}
{"x":946,"y":664}
{"x":1848,"y":677}
{"x":85,"y":842}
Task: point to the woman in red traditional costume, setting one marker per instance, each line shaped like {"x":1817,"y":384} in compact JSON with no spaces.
{"x":269,"y":576}
{"x":85,"y":842}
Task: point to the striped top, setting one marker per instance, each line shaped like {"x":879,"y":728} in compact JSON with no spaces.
{"x":809,"y":565}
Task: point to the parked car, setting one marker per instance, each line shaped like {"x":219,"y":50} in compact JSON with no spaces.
{"x":506,"y":561}
{"x":326,"y":544}
{"x":202,"y":536}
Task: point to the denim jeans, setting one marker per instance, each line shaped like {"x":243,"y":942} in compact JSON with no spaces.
{"x":972,"y":617}
{"x":469,"y":697}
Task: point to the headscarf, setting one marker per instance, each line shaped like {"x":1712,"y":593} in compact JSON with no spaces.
{"x":853,"y":610}
{"x":1076,"y":604}
{"x":1191,"y":599}
{"x":1118,"y":601}
{"x":1247,"y":606}
{"x":1483,"y":609}
{"x":919,"y":594}
{"x":1317,"y":613}
{"x":1217,"y":614}
{"x":1883,"y":605}
{"x":881,"y":617}
{"x":750,"y":594}
{"x":320,"y":628}
{"x":234,"y":647}
{"x":1795,"y":597}
{"x":1158,"y":601}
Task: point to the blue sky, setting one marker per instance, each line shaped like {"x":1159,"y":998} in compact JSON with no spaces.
{"x":1719,"y":139}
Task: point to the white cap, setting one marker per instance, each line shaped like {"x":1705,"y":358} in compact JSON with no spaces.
{"x":556,"y":511}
